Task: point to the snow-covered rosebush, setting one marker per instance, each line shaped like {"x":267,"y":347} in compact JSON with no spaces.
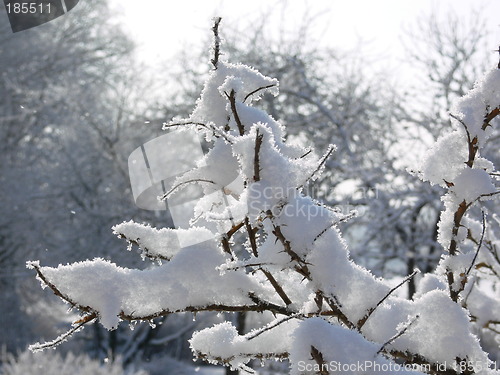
{"x":50,"y":362}
{"x":330,"y":313}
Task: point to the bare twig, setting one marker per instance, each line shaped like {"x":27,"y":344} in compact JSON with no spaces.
{"x":232,"y":101}
{"x":145,"y":250}
{"x":329,"y":151}
{"x":478,"y":246}
{"x":498,"y":50}
{"x":215,"y":30}
{"x":253,"y":244}
{"x":257,"y":90}
{"x":490,"y":116}
{"x":60,"y":339}
{"x":463,"y":124}
{"x":277,"y":287}
{"x":399,"y":334}
{"x":307,"y":153}
{"x":251,"y":237}
{"x":363,"y":320}
{"x":318,"y":357}
{"x":256,"y":158}
{"x":257,"y":333}
{"x":214,"y":129}
{"x":167,"y":194}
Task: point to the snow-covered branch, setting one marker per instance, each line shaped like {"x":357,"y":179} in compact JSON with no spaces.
{"x":293,"y":261}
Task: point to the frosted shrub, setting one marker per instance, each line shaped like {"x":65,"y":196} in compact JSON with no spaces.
{"x":330,"y":314}
{"x":50,"y":362}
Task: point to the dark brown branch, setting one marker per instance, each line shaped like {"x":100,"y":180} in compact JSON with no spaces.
{"x":234,"y":229}
{"x":145,"y":250}
{"x":226,"y":246}
{"x":452,"y":249}
{"x":253,"y":244}
{"x":490,"y":116}
{"x":498,"y":50}
{"x":57,"y":292}
{"x":232,"y":102}
{"x":277,"y":287}
{"x":318,"y":357}
{"x":463,"y":124}
{"x":251,"y":237}
{"x":257,"y":90}
{"x":302,"y":268}
{"x":215,"y":30}
{"x":307,"y":153}
{"x":256,"y":159}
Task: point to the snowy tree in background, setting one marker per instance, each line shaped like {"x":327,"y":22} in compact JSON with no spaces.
{"x":330,"y":314}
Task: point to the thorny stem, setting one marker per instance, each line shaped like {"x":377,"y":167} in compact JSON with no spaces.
{"x":253,"y":244}
{"x":302,"y":268}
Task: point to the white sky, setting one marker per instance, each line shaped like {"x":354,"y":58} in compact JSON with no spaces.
{"x":163,"y":27}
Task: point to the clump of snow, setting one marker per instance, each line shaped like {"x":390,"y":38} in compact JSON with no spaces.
{"x":211,"y":107}
{"x":141,"y":293}
{"x":222,"y":343}
{"x":444,"y":161}
{"x":473,"y":107}
{"x":162,"y":243}
{"x":432,"y":318}
{"x":356,"y":289}
{"x":470,"y":184}
{"x":342,"y":351}
{"x":430,"y":282}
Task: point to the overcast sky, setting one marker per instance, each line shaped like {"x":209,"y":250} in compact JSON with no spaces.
{"x":163,"y":27}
